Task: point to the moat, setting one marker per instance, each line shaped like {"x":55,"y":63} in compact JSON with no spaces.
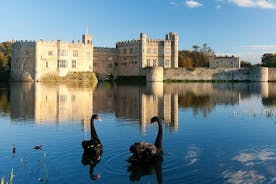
{"x":212,"y":132}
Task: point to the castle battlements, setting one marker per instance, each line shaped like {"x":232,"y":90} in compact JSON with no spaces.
{"x":105,"y":49}
{"x":127,"y":43}
{"x":24,"y":41}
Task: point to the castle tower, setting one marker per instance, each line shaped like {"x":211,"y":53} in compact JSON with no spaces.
{"x":143,"y":49}
{"x":173,"y":37}
{"x":87,"y":39}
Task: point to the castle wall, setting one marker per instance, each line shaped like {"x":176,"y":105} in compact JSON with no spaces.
{"x":129,"y":58}
{"x":224,"y":62}
{"x":271,"y":74}
{"x":34,"y":61}
{"x":155,"y":74}
{"x":43,"y":60}
{"x":59,"y":58}
{"x":205,"y":74}
{"x":105,"y":61}
{"x":141,"y":53}
{"x":23,"y":61}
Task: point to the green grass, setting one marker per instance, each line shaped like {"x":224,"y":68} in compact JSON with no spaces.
{"x":211,"y":81}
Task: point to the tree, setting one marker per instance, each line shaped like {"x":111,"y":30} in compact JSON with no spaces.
{"x":196,"y":47}
{"x":188,"y":58}
{"x":269,"y":60}
{"x":205,"y":49}
{"x":5,"y":56}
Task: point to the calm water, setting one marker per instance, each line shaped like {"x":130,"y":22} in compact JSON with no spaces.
{"x":213,"y":133}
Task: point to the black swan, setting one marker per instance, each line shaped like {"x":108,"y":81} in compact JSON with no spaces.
{"x":143,"y":153}
{"x":93,"y":150}
{"x":94,"y":143}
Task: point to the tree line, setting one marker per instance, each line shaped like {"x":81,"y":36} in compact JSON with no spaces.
{"x":198,"y":57}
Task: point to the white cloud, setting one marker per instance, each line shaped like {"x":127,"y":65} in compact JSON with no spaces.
{"x":193,"y":4}
{"x":266,"y":4}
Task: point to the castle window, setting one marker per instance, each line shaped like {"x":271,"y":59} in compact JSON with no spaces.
{"x":109,"y":58}
{"x":62,"y":98}
{"x":167,"y":63}
{"x":75,"y":53}
{"x":62,"y":64}
{"x":124,"y":51}
{"x":46,"y":64}
{"x":148,"y":62}
{"x":74,"y":64}
{"x":148,"y":51}
{"x":131,"y":50}
{"x":50,"y":53}
{"x":136,"y":49}
{"x":154,"y":63}
{"x":155,"y":51}
{"x":62,"y":52}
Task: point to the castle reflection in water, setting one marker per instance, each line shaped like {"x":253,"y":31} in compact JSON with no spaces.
{"x":57,"y":103}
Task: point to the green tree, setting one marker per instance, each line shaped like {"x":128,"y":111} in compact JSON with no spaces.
{"x":269,"y":60}
{"x":5,"y":56}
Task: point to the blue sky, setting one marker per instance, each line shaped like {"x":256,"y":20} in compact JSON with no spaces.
{"x":246,"y":28}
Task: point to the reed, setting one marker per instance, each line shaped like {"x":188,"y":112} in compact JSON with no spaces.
{"x":11,"y":178}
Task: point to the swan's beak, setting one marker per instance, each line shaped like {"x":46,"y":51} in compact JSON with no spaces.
{"x":99,"y":119}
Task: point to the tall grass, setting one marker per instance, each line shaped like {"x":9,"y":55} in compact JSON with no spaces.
{"x":11,"y":178}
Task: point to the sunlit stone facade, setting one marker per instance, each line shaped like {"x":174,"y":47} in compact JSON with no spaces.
{"x":37,"y":60}
{"x":41,"y":60}
{"x":137,"y":54}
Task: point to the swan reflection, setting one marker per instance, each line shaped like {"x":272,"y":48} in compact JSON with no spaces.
{"x":92,"y":161}
{"x":138,"y":171}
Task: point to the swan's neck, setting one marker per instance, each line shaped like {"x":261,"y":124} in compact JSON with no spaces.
{"x":158,"y":141}
{"x":94,"y":135}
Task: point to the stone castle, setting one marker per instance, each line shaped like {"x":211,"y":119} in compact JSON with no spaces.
{"x":154,"y":59}
{"x":40,"y":60}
